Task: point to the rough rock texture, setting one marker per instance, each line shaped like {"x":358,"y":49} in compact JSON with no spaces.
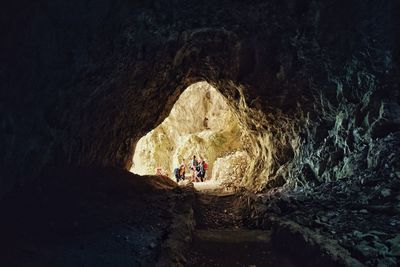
{"x":360,"y":212}
{"x":231,"y":168}
{"x":183,"y":133}
{"x":315,"y":82}
{"x":90,"y":217}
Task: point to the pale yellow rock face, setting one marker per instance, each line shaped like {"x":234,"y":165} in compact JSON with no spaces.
{"x":184,"y":134}
{"x":231,"y":168}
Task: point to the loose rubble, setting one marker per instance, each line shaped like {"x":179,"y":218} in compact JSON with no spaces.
{"x":361,"y":213}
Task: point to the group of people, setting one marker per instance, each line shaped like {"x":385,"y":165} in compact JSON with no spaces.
{"x":197,"y":168}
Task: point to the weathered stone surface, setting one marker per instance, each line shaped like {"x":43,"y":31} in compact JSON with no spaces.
{"x":352,"y":211}
{"x":83,"y":81}
{"x":232,"y":167}
{"x":315,"y":83}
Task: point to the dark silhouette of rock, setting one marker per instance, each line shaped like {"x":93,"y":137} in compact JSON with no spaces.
{"x":84,"y":81}
{"x":315,"y":85}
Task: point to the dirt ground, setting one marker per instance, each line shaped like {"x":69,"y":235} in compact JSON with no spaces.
{"x":91,"y":217}
{"x":221,"y":239}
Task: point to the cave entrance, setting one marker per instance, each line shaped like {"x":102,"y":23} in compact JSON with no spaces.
{"x":201,"y":124}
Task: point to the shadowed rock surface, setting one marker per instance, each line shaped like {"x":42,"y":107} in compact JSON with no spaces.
{"x":221,"y":238}
{"x":315,"y":81}
{"x":315,"y":85}
{"x":88,"y":217}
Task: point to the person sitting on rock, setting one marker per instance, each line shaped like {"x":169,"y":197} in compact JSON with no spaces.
{"x":159,"y":171}
{"x":176,"y":174}
{"x":180,"y":173}
{"x":205,"y":123}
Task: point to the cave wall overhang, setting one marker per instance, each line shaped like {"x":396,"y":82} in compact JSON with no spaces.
{"x":307,"y":77}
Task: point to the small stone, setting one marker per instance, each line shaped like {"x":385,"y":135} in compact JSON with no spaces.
{"x":355,"y":188}
{"x":274,"y":208}
{"x":152,"y":245}
{"x":386,"y":192}
{"x":387,"y":262}
{"x":364,"y":211}
{"x":395,"y":246}
{"x":381,"y":248}
{"x":366,"y":250}
{"x":357,"y":233}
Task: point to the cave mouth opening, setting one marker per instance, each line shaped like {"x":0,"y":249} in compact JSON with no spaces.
{"x":202,"y":124}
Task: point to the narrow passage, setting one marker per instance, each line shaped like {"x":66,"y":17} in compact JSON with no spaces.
{"x":221,"y":239}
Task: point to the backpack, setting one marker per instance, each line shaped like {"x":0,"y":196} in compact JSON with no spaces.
{"x":176,"y":172}
{"x":205,"y":165}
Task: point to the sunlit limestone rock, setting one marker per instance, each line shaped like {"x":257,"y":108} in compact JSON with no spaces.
{"x":232,"y":167}
{"x":200,"y":123}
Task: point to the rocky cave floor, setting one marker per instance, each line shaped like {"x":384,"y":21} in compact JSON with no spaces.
{"x":221,"y":238}
{"x":109,"y":217}
{"x":361,"y":214}
{"x":90,"y":217}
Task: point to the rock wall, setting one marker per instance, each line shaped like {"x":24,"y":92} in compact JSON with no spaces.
{"x":231,"y":168}
{"x":315,"y":82}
